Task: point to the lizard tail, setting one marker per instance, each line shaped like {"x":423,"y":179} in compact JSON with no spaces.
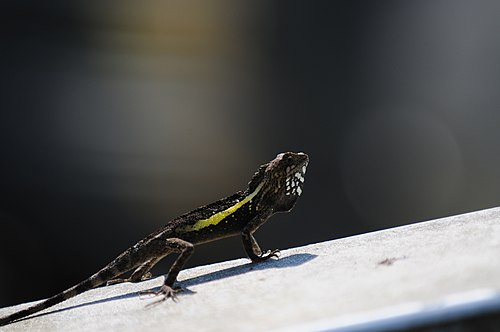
{"x":96,"y":280}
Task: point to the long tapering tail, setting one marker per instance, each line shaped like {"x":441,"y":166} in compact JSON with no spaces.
{"x":96,"y":280}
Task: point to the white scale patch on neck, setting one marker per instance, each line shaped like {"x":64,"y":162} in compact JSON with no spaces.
{"x":293,"y":183}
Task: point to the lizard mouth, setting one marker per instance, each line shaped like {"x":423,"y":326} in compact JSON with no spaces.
{"x":301,"y":167}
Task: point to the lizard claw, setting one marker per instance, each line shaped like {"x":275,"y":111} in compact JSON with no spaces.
{"x":268,"y":254}
{"x":165,"y":292}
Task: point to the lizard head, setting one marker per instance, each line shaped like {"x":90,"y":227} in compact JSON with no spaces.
{"x":280,"y":181}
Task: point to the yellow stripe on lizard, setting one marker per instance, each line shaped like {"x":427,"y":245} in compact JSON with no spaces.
{"x":219,"y":216}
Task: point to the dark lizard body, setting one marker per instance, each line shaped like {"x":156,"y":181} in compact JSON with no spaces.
{"x":275,"y":187}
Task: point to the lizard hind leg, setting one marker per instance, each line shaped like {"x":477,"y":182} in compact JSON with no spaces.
{"x":167,"y":290}
{"x":140,"y":274}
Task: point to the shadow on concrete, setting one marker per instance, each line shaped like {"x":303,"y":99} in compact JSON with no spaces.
{"x":288,"y":261}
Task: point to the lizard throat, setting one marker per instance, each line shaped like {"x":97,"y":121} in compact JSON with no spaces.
{"x":219,"y":216}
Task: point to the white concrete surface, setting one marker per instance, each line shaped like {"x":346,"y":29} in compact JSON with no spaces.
{"x":427,"y":271}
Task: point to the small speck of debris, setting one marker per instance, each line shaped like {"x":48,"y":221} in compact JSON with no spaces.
{"x":390,"y":261}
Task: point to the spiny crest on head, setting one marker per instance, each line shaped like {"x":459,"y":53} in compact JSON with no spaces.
{"x":257,"y":177}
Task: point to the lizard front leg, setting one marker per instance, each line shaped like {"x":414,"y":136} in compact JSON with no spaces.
{"x":250,"y":244}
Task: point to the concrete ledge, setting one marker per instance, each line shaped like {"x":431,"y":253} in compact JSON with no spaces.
{"x":433,"y":273}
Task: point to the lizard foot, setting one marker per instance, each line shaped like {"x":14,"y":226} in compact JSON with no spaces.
{"x":268,"y":254}
{"x":165,"y":292}
{"x":146,"y":276}
{"x":116,"y":281}
{"x":131,"y":279}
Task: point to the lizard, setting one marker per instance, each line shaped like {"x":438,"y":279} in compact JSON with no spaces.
{"x":275,"y":187}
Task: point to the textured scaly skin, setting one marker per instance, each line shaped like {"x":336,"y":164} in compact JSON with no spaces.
{"x":275,"y":187}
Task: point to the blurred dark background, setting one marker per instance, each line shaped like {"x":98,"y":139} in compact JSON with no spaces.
{"x":117,"y":116}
